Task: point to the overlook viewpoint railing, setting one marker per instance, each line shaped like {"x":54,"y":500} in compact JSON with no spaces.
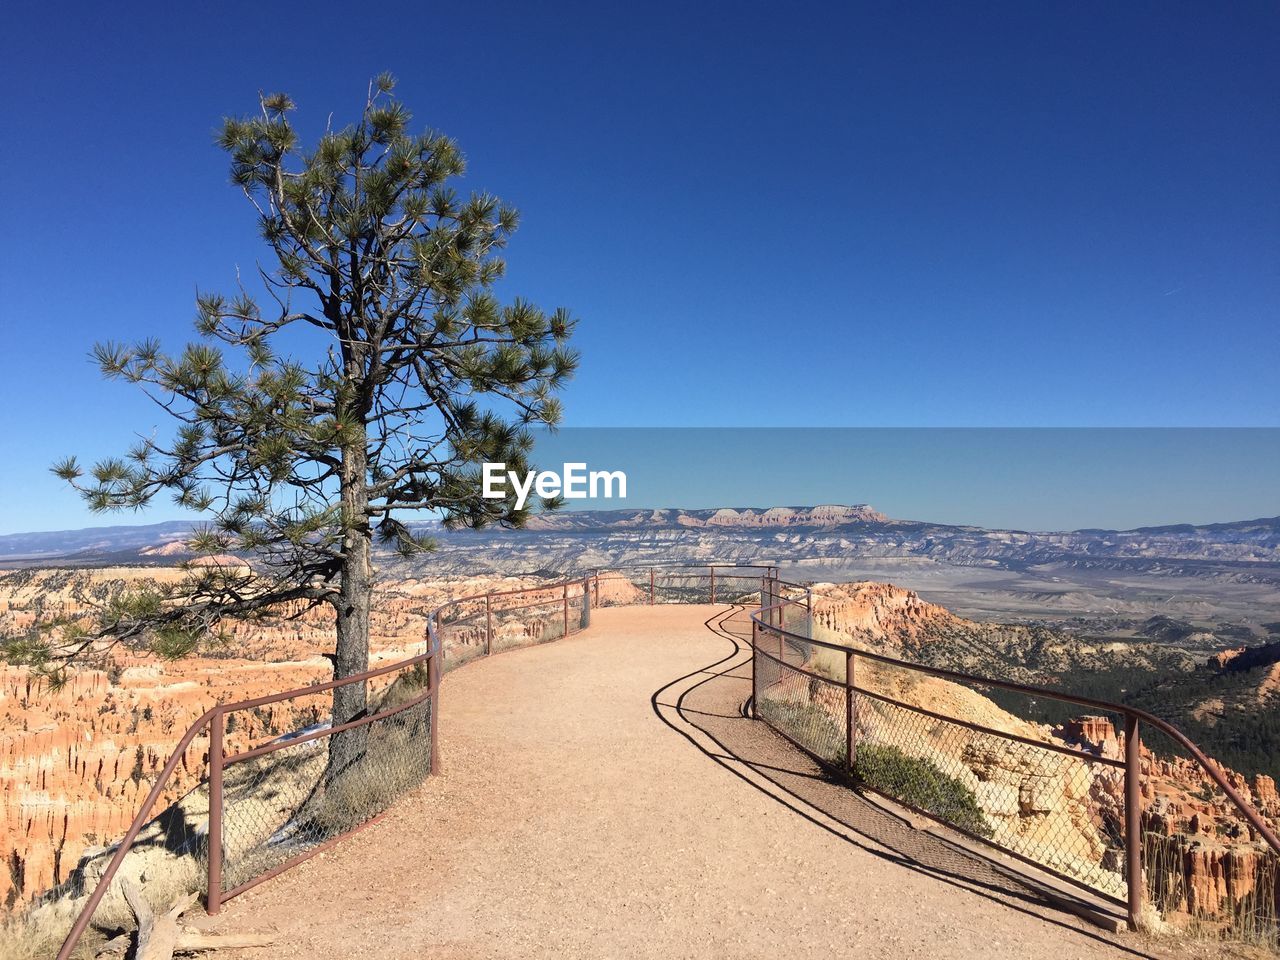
{"x":282,"y":799}
{"x":933,"y":740}
{"x":925,"y":737}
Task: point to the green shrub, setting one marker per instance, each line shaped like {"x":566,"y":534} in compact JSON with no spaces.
{"x":920,"y":784}
{"x":912,"y":780}
{"x":810,"y":726}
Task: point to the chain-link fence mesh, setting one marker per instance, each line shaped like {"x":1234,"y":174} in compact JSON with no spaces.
{"x":619,"y":588}
{"x":972,"y":755}
{"x":794,"y":608}
{"x":314,"y":785}
{"x":541,"y":621}
{"x":476,"y":626}
{"x":737,"y":588}
{"x":1060,"y":811}
{"x":692,"y":585}
{"x":463,"y":628}
{"x":1205,"y":866}
{"x":681,"y":587}
{"x":920,"y":741}
{"x":963,"y":753}
{"x":808,"y":710}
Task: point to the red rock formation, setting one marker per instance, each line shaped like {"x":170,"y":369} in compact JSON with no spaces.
{"x":879,"y":614}
{"x":1265,"y":796}
{"x":76,"y":763}
{"x":1220,"y":660}
{"x":832,"y":515}
{"x":1093,"y":731}
{"x":822,"y":516}
{"x":1201,"y":856}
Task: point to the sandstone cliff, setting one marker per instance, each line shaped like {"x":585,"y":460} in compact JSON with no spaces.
{"x":1064,"y":812}
{"x":76,"y":763}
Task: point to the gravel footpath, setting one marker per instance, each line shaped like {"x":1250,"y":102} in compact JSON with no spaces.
{"x":581,"y":814}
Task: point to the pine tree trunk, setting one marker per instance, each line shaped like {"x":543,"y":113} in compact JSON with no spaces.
{"x":351,"y":653}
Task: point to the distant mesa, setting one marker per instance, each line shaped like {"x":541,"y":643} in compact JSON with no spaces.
{"x":746,"y":534}
{"x":180,"y":551}
{"x":176,"y":548}
{"x":829,"y":515}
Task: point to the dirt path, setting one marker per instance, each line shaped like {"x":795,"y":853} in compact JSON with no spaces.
{"x":581,"y":814}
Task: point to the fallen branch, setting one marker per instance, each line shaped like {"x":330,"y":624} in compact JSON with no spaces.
{"x":160,"y":937}
{"x":157,"y":932}
{"x":193,"y":940}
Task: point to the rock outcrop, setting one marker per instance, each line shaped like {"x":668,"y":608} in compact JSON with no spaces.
{"x":1064,"y":812}
{"x":75,"y":763}
{"x":880,"y":615}
{"x":1203,"y":859}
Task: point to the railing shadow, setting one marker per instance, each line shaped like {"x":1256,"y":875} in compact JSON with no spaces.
{"x":714,"y":701}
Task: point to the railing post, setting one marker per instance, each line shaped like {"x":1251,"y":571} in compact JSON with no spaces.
{"x":755,"y":635}
{"x":850,"y":716}
{"x":488,"y":624}
{"x":775,"y":611}
{"x":713,"y":584}
{"x":651,"y":587}
{"x":433,"y":684}
{"x":1133,"y":817}
{"x":566,"y":610}
{"x":586,"y":603}
{"x":213,"y":898}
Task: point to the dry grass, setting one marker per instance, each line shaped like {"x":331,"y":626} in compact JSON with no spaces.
{"x":1250,"y":918}
{"x":21,"y":938}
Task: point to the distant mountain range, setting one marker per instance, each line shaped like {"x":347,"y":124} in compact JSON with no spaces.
{"x":568,"y":539}
{"x":745,"y":518}
{"x":1183,"y":617}
{"x":92,"y":543}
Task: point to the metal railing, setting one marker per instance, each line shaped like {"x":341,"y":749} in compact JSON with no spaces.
{"x":270,"y":806}
{"x":932,"y":740}
{"x":863,"y":715}
{"x":311,"y":802}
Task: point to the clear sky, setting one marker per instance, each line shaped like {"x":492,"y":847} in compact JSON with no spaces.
{"x":1036,"y":478}
{"x":866,"y":215}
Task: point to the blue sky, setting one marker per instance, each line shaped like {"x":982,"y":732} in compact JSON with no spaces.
{"x":859,"y":215}
{"x":1033,"y":478}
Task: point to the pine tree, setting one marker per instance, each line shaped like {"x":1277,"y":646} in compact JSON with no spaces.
{"x":370,"y":380}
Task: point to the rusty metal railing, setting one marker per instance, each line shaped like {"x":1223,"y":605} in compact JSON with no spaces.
{"x":929,"y":739}
{"x":848,"y":712}
{"x":315,"y":793}
{"x":315,"y":804}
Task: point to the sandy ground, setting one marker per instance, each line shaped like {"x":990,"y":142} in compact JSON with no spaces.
{"x":603,"y":797}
